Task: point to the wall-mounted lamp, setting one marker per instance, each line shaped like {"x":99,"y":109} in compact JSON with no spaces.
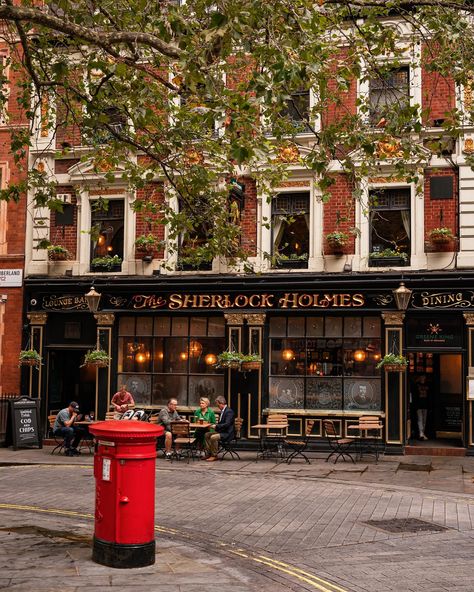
{"x":402,"y":296}
{"x":92,"y":298}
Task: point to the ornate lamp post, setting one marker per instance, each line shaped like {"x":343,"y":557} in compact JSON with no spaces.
{"x":93,"y":298}
{"x":402,"y":296}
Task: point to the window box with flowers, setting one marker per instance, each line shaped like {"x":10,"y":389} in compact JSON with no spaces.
{"x":441,"y":236}
{"x":388,"y":258}
{"x":106,"y":263}
{"x":293,"y":261}
{"x":29,"y":357}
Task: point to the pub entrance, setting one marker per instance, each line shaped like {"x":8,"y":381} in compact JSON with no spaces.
{"x":435,"y":388}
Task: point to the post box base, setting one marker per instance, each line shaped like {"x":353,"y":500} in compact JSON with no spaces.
{"x":123,"y":556}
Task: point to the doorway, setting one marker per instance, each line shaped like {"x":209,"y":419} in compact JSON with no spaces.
{"x":435,"y":383}
{"x":68,"y":381}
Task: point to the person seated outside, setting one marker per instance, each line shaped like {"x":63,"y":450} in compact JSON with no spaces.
{"x":122,"y":401}
{"x":204,"y":413}
{"x":224,"y":430}
{"x":64,"y":426}
{"x":165,"y":417}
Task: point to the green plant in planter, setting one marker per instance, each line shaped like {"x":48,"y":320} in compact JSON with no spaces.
{"x":389,"y":253}
{"x":106,"y":262}
{"x":392,"y":360}
{"x":29,"y":357}
{"x":146,"y":243}
{"x":251,"y":358}
{"x":441,"y":235}
{"x":250,"y":362}
{"x":229,"y":359}
{"x":57,"y":253}
{"x":97,"y":357}
{"x":337,"y":238}
{"x":292,"y":257}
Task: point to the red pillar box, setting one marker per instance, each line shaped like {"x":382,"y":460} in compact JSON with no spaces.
{"x":124,"y":471}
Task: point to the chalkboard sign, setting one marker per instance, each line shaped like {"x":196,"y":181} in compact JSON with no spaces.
{"x":23,"y":429}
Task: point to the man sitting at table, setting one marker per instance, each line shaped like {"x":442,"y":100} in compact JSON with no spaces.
{"x":165,"y":417}
{"x":64,"y":426}
{"x":224,"y":429}
{"x":122,"y":400}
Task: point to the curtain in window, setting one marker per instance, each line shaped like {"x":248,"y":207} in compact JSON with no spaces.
{"x":278,"y":229}
{"x":405,"y":214}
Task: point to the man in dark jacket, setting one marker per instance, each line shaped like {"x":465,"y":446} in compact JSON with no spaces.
{"x":224,"y":429}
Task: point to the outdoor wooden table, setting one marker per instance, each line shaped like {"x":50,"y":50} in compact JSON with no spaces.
{"x":205,"y":425}
{"x":368,"y":444}
{"x":88,"y":439}
{"x":265,"y":450}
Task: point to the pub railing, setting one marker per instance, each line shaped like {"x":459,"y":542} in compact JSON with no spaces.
{"x":4,"y":398}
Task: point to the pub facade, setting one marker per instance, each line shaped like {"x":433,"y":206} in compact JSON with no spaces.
{"x":320,"y":338}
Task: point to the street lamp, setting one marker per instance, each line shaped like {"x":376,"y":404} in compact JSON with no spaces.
{"x":402,"y":296}
{"x":92,"y":297}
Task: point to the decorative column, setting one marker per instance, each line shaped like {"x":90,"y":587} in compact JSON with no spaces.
{"x":105,"y":321}
{"x":38,"y":321}
{"x":468,"y":419}
{"x":235,"y":323}
{"x":255,"y":324}
{"x":395,"y":404}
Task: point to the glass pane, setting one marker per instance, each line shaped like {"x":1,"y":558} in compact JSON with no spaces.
{"x":134,"y":354}
{"x":324,"y":357}
{"x":205,"y":386}
{"x":139,"y":386}
{"x":278,"y":327}
{"x":352,"y":326}
{"x":361,"y":356}
{"x":296,"y":327}
{"x":315,"y":326}
{"x":180,"y":326}
{"x":175,"y":356}
{"x":324,"y":393}
{"x":286,"y":393}
{"x":371,"y":326}
{"x":162,"y":325}
{"x":287,"y":356}
{"x":291,"y":237}
{"x":198,"y":326}
{"x":144,"y":325}
{"x":127,"y":326}
{"x":363,"y":395}
{"x":166,"y":387}
{"x":333,"y":327}
{"x":390,"y":230}
{"x":204,"y":363}
{"x":158,"y":346}
{"x":216,"y":327}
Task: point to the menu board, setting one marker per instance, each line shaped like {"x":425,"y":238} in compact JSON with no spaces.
{"x":23,"y":430}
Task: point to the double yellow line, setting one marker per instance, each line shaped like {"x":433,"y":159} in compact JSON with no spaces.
{"x":304,"y":576}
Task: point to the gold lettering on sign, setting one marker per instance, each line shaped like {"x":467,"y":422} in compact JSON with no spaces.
{"x":152,"y":301}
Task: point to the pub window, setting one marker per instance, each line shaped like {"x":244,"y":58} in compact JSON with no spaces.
{"x":325,"y":363}
{"x":107,"y":221}
{"x":389,"y":90}
{"x":390,"y":227}
{"x":163,"y":357}
{"x":290,"y":229}
{"x":192,"y":247}
{"x":101,"y":129}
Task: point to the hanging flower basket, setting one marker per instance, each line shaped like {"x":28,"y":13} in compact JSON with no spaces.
{"x":394,"y":368}
{"x":441,"y":236}
{"x":57,"y":253}
{"x":251,"y":362}
{"x":29,"y":357}
{"x":98,"y":358}
{"x":229,"y":359}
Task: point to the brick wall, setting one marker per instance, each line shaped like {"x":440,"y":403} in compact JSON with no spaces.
{"x":346,"y":104}
{"x":339,"y":214}
{"x":249,"y":217}
{"x":438,"y":92}
{"x":440,"y":212}
{"x":146,"y":219}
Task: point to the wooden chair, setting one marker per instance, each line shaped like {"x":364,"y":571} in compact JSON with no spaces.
{"x":229,"y":447}
{"x":275,"y":440}
{"x":370,"y":431}
{"x":298,"y":447}
{"x":183,"y":440}
{"x":109,"y":415}
{"x":339,"y":446}
{"x":58,"y":440}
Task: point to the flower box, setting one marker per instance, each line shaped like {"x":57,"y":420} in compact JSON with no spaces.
{"x":55,"y":256}
{"x":394,"y":367}
{"x":105,"y":268}
{"x":388,"y":262}
{"x":292,"y":264}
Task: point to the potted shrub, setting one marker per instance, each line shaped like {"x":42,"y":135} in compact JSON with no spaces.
{"x":29,"y":357}
{"x":292,"y":261}
{"x":229,"y":359}
{"x":97,"y":357}
{"x":250,"y":362}
{"x":145,"y":244}
{"x":393,"y":363}
{"x":440,"y":236}
{"x":388,"y":258}
{"x":106,"y":263}
{"x":57,"y":253}
{"x":337,"y":240}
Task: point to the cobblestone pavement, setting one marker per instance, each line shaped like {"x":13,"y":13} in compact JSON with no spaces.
{"x":250,"y":526}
